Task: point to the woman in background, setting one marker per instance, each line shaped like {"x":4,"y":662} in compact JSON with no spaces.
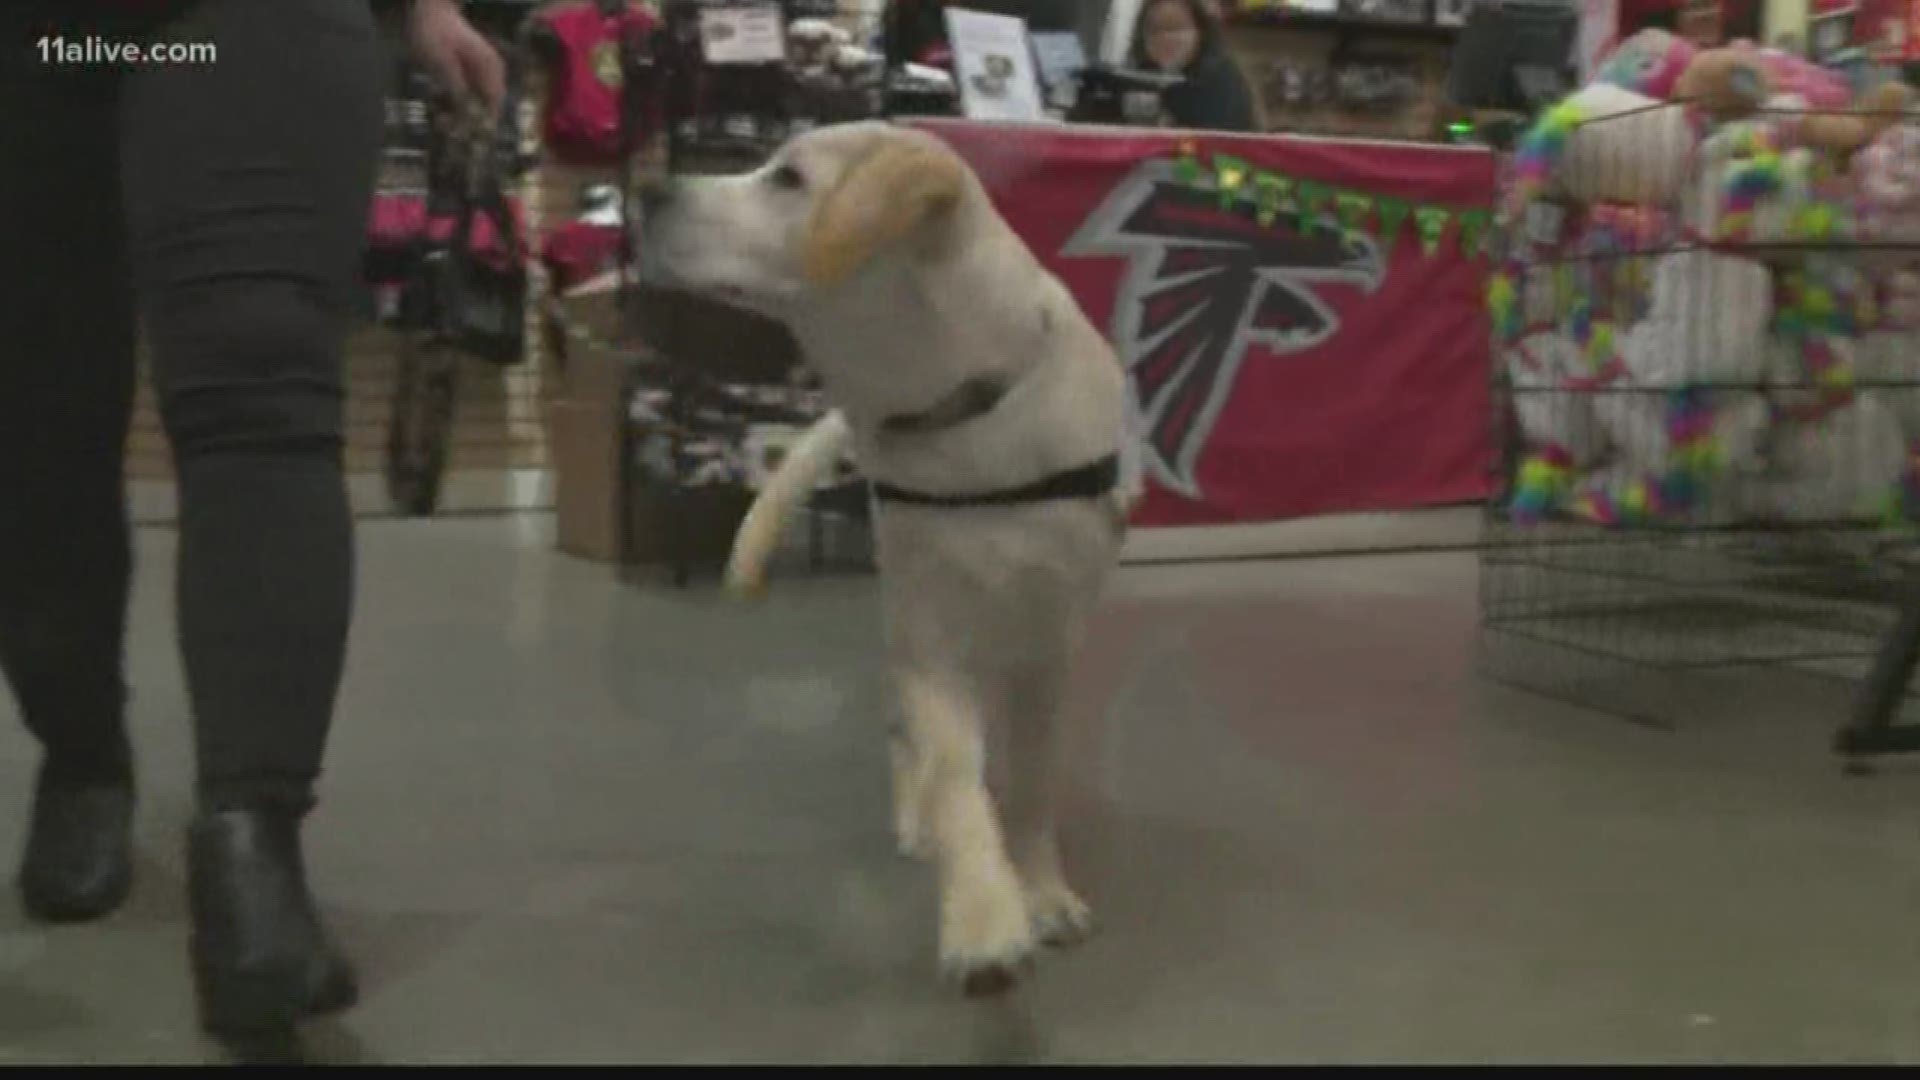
{"x":1185,"y":38}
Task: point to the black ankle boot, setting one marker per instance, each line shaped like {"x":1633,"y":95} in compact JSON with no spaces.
{"x":78,"y":864}
{"x":261,"y":961}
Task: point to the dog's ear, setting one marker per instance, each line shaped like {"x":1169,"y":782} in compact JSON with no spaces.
{"x":897,"y":191}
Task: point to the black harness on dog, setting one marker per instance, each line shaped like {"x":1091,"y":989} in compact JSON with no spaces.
{"x":976,"y":398}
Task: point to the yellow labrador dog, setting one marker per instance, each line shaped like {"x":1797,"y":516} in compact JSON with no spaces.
{"x":987,"y":412}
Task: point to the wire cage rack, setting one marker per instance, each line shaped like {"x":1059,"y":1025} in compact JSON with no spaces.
{"x":1707,"y":395}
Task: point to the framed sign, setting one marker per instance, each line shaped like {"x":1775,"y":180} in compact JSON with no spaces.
{"x":993,"y":63}
{"x":754,"y":33}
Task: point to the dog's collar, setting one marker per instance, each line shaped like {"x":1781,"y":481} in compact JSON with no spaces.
{"x":973,"y":399}
{"x":1091,"y":481}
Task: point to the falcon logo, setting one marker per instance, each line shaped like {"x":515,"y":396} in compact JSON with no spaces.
{"x":1203,"y":286}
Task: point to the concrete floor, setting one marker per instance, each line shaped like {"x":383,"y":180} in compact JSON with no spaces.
{"x":569,"y":820}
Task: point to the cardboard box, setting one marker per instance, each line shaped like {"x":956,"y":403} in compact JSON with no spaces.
{"x":587,"y":440}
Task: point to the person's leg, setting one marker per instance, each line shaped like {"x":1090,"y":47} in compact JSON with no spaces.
{"x":248,"y":181}
{"x":66,"y":391}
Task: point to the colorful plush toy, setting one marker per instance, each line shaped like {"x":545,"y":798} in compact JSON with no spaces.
{"x":1753,"y":185}
{"x":1887,"y":356}
{"x":1604,"y":144}
{"x":1844,"y":132}
{"x":1839,"y":467}
{"x":1887,"y":177}
{"x":1697,"y":444}
{"x":1542,"y":485}
{"x":1901,"y":307}
{"x":1889,"y":361}
{"x":1821,"y":88}
{"x":1616,"y":498}
{"x":1815,"y":330}
{"x":1649,"y":63}
{"x":1548,"y":403}
{"x":1724,"y":84}
{"x":1707,"y":324}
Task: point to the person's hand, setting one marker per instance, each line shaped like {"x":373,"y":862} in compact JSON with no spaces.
{"x":463,"y":62}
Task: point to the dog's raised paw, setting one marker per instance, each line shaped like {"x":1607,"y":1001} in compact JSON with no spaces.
{"x":1061,"y":919}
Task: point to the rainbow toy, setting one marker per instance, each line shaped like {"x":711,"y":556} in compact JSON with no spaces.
{"x":1694,"y":453}
{"x":1612,"y":503}
{"x":1542,"y":483}
{"x":1759,"y":173}
{"x":1816,"y":316}
{"x":1539,"y":152}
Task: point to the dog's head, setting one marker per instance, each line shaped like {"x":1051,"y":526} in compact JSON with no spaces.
{"x":832,"y":206}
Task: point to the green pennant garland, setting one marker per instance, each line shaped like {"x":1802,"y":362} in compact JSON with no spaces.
{"x":1232,"y":176}
{"x":1314,"y":197}
{"x":1271,"y":193}
{"x":1235,"y":180}
{"x":1431,"y":223}
{"x":1353,"y":209}
{"x":1187,"y":168}
{"x":1473,"y":231}
{"x":1393,"y":214}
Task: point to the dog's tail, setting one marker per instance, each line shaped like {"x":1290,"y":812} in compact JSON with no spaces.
{"x":812,"y":458}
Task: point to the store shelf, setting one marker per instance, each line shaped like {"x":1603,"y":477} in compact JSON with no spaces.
{"x":1344,"y":25}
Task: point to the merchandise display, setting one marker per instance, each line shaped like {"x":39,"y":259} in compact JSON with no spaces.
{"x":1737,"y":352}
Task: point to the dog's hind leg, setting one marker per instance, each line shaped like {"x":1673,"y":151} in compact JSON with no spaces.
{"x":986,"y":933}
{"x":1035,"y":770}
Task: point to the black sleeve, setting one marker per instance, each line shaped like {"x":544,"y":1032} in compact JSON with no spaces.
{"x":1214,"y":97}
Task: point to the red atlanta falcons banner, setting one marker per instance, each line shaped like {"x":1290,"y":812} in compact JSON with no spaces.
{"x":1281,"y":369}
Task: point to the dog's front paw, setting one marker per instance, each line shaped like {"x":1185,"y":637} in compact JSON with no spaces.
{"x":1061,"y":919}
{"x":746,"y":586}
{"x":986,"y":941}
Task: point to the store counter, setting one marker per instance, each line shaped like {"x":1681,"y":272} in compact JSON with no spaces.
{"x":1304,"y":319}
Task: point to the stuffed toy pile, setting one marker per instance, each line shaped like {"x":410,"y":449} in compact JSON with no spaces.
{"x":1711,"y":314}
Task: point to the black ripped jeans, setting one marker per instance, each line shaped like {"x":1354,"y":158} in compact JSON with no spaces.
{"x":222,"y":204}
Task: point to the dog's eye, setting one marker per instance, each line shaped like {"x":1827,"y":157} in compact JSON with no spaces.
{"x":788,"y":178}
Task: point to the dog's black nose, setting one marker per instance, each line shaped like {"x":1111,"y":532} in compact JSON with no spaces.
{"x":656,"y":196}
